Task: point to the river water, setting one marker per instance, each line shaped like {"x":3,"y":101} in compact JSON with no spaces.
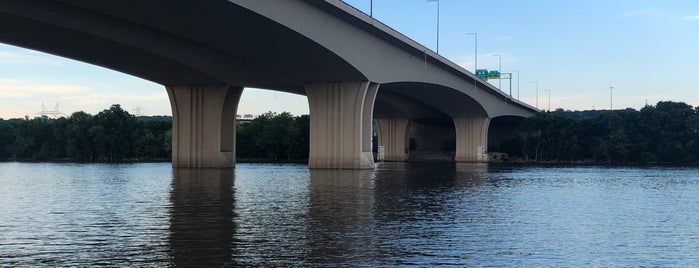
{"x":429,"y":214}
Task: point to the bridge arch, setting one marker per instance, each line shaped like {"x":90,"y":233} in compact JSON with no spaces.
{"x":447,"y":100}
{"x":453,"y":119}
{"x":384,"y":55}
{"x":205,"y":52}
{"x":167,"y":43}
{"x":501,"y":129}
{"x":204,"y":63}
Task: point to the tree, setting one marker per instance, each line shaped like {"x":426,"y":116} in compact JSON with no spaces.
{"x":275,"y":137}
{"x":148,"y":139}
{"x":59,"y":136}
{"x":113,"y":133}
{"x":667,"y":132}
{"x":303,"y":126}
{"x":78,"y":136}
{"x":8,"y":136}
{"x":34,"y":138}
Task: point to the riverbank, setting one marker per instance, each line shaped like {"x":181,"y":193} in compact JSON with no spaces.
{"x":138,"y":160}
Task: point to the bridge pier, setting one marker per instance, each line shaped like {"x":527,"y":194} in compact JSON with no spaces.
{"x":471,"y":139}
{"x":203,"y":125}
{"x":392,"y":136}
{"x":341,"y":117}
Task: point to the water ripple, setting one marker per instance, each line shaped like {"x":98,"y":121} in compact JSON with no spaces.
{"x":149,"y":215}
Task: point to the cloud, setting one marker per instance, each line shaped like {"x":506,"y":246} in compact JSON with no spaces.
{"x":25,"y":89}
{"x":108,"y":99}
{"x":691,"y":18}
{"x":27,"y":57}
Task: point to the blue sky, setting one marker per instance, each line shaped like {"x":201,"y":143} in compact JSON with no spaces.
{"x":647,"y":50}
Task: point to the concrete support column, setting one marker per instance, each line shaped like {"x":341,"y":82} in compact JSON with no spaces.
{"x":471,"y":139}
{"x":392,"y":136}
{"x":203,"y":125}
{"x":341,"y":116}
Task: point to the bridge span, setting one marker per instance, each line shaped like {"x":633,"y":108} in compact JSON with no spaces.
{"x":353,"y":69}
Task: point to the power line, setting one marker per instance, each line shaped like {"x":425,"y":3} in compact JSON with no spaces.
{"x":55,"y":113}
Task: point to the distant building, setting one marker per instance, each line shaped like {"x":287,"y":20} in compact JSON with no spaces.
{"x":244,"y":118}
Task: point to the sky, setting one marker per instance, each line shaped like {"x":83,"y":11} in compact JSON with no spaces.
{"x":648,"y":51}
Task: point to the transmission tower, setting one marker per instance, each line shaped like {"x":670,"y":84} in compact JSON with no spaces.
{"x":138,"y":110}
{"x":55,"y":113}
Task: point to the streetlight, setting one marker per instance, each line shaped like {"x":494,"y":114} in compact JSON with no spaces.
{"x":537,"y":94}
{"x":611,"y":106}
{"x":499,"y":69}
{"x":517,"y":71}
{"x":475,"y":52}
{"x":437,"y":22}
{"x":507,"y":76}
{"x":549,"y":91}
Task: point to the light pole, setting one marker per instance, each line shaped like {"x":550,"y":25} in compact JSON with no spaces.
{"x":507,"y":76}
{"x":475,"y":51}
{"x":537,"y":94}
{"x":611,"y":106}
{"x":517,"y":71}
{"x":499,"y":69}
{"x":549,"y":91}
{"x":437,"y":22}
{"x":371,"y":8}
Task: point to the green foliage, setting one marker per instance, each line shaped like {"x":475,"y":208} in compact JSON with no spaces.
{"x":665,"y":133}
{"x":274,"y":137}
{"x":78,"y":137}
{"x":7,"y":139}
{"x":111,"y":135}
{"x":114,"y":128}
{"x":115,"y":135}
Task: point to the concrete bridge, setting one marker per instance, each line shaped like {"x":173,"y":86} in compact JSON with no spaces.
{"x":352,"y":68}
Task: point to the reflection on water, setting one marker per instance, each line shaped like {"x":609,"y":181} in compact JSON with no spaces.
{"x":416,"y":209}
{"x":400,"y":214}
{"x":340,"y":216}
{"x":270,"y":212}
{"x":201,"y":217}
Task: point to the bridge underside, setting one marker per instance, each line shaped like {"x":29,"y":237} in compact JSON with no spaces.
{"x":340,"y":130}
{"x":418,"y":121}
{"x":205,"y":52}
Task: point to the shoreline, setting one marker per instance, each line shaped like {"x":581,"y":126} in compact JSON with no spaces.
{"x":305,"y":161}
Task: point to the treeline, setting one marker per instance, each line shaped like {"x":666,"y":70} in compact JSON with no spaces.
{"x":273,"y":137}
{"x":111,"y":135}
{"x":114,"y":135}
{"x":665,"y":133}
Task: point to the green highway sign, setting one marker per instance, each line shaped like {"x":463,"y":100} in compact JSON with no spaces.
{"x":493,"y":75}
{"x":482,"y":74}
{"x":485,"y":74}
